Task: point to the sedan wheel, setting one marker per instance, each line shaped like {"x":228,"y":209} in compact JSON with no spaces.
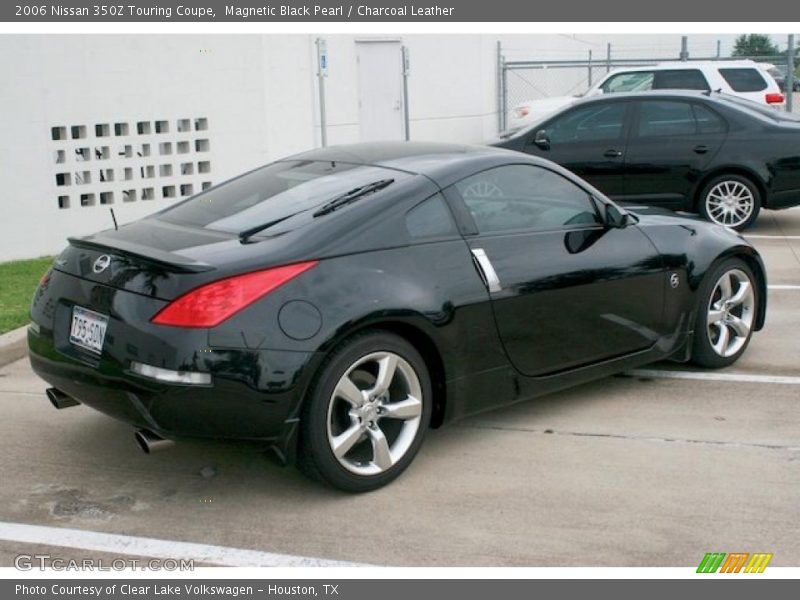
{"x":367,"y":414}
{"x":726,"y":315}
{"x":731,"y":201}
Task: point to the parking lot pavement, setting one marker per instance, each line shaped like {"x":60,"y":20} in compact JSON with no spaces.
{"x":628,"y":471}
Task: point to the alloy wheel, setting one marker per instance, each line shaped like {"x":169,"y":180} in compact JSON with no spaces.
{"x":374,"y":413}
{"x":730,"y":203}
{"x":731,"y":310}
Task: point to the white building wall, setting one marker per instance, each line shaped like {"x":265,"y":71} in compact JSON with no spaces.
{"x":258,"y":94}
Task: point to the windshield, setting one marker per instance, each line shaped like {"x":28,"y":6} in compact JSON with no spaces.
{"x":283,"y":193}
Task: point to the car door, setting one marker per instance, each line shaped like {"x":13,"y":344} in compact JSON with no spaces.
{"x":566,"y":290}
{"x":589,"y":140}
{"x":672,"y":141}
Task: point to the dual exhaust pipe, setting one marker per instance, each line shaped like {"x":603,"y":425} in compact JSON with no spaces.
{"x":151,"y":442}
{"x":148,"y":441}
{"x":59,"y":399}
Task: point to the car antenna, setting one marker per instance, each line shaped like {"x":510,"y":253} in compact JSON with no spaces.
{"x":114,"y":218}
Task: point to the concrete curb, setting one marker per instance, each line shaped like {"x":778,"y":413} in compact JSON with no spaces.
{"x":13,"y":345}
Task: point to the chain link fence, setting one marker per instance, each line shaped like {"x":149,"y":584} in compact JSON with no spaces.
{"x":520,"y":81}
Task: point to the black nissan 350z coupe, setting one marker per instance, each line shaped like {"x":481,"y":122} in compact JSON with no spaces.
{"x":336,"y":304}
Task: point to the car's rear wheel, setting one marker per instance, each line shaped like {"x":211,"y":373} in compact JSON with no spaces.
{"x":730,"y":200}
{"x":726,"y":314}
{"x":367,"y":414}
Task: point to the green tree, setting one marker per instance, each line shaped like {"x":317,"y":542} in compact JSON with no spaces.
{"x":755,"y":44}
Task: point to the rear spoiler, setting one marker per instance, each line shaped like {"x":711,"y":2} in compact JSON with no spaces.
{"x":160,"y":257}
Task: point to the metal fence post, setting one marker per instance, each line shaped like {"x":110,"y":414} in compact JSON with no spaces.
{"x":608,"y":57}
{"x":718,"y":49}
{"x":406,"y":72}
{"x":684,"y":48}
{"x":499,"y":60}
{"x":322,"y":73}
{"x":505,"y":93}
{"x":790,"y":73}
{"x":590,"y":68}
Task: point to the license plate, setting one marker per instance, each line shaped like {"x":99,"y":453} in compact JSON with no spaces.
{"x":88,"y":329}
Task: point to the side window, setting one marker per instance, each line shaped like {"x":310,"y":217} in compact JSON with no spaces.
{"x":708,"y":121}
{"x":637,"y":81}
{"x":525,"y":197}
{"x":430,"y":218}
{"x":594,"y":123}
{"x":666,"y":118}
{"x":744,"y":79}
{"x":680,"y":79}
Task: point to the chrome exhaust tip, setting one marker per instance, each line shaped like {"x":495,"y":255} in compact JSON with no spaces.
{"x":59,"y":399}
{"x":151,"y":442}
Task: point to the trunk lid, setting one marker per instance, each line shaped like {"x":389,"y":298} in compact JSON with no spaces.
{"x":149,"y":257}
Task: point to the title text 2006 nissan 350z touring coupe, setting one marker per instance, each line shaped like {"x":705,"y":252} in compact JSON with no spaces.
{"x":336,"y":304}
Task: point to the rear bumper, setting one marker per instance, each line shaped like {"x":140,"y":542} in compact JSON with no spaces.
{"x":255,"y":393}
{"x":788,"y":199}
{"x":226,"y":409}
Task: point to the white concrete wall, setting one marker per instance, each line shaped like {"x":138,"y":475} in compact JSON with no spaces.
{"x":258,"y":93}
{"x":252,"y":90}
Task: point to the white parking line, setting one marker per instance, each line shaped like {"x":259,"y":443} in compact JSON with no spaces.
{"x":706,"y":376}
{"x":783,"y":287}
{"x":154,"y":548}
{"x":765,"y":236}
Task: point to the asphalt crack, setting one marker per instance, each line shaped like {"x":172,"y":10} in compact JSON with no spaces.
{"x":638,"y":438}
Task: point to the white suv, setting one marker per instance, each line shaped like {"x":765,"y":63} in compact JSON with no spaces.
{"x":743,"y":78}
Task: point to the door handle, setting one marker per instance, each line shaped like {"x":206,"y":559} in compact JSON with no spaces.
{"x":612,"y":153}
{"x":486,"y":270}
{"x":701,"y":149}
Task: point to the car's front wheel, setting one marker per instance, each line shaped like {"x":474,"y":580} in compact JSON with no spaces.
{"x":730,"y":200}
{"x":726,"y":314}
{"x":367,"y":414}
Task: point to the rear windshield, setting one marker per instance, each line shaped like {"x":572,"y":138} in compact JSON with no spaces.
{"x":284,"y":192}
{"x":775,"y":115}
{"x":744,"y":79}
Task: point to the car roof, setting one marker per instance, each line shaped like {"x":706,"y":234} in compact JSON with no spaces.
{"x":728,"y":101}
{"x":443,"y":163}
{"x":621,"y":96}
{"x":694,"y":64}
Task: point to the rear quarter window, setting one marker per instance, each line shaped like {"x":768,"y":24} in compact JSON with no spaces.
{"x":430,"y":219}
{"x":680,"y":79}
{"x":744,"y":79}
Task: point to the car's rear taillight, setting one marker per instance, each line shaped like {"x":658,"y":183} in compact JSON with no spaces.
{"x":210,"y":304}
{"x":775,"y":99}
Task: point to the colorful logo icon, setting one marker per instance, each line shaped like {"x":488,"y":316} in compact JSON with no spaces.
{"x":736,"y":562}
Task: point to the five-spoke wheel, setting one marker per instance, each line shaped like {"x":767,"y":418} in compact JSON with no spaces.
{"x":367,"y":413}
{"x":726,"y":315}
{"x":374,"y":413}
{"x":731,"y":312}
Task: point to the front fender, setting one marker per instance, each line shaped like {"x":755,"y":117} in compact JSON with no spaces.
{"x":694,"y":248}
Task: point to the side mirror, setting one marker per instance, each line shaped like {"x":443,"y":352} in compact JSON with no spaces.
{"x":542,"y":140}
{"x":616,"y":218}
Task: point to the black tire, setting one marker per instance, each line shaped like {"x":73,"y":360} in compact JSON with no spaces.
{"x":703,"y":352}
{"x":738,"y":223}
{"x":316,"y":457}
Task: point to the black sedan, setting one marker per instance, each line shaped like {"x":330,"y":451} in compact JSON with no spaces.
{"x":714,"y":154}
{"x":335,"y":305}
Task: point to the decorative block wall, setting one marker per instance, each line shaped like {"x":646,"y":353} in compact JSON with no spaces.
{"x":101,"y":164}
